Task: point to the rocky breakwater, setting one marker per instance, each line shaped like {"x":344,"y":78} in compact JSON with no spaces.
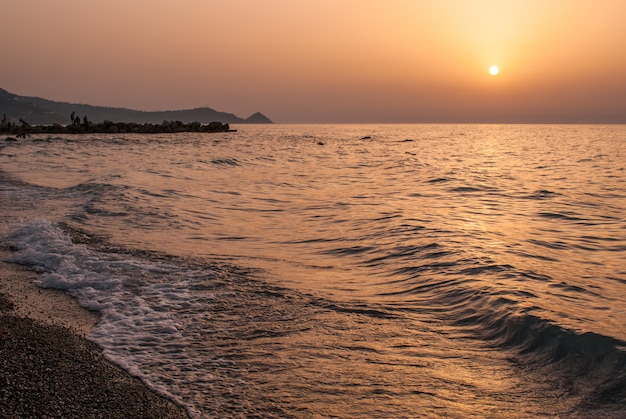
{"x":109,"y":127}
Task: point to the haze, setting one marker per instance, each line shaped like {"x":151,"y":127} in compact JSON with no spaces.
{"x":325,"y":60}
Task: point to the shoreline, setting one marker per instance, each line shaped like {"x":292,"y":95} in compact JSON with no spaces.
{"x":49,"y":306}
{"x":49,"y":367}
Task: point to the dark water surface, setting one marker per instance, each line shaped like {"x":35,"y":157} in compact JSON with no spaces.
{"x":303,"y":271}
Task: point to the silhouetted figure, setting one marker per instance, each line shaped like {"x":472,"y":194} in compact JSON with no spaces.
{"x":77,"y":120}
{"x":24,"y":129}
{"x":5,"y":125}
{"x":86,"y":121}
{"x":73,"y":118}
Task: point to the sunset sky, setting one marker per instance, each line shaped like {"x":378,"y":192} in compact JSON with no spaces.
{"x":325,"y":60}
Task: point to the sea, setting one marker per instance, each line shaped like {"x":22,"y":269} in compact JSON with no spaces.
{"x":341,"y":271}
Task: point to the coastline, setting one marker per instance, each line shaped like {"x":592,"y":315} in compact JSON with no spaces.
{"x":49,"y":367}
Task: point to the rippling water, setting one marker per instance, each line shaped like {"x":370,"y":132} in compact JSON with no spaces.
{"x":342,"y":270}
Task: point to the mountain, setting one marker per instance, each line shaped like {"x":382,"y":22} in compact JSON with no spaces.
{"x":38,"y":111}
{"x":258,"y":118}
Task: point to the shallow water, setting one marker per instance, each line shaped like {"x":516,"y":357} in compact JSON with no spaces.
{"x":285,"y":270}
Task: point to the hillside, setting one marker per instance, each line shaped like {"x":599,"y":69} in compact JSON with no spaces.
{"x":38,"y":111}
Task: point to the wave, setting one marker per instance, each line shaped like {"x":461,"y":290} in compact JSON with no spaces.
{"x":465,"y":292}
{"x":226,"y":162}
{"x":561,"y":216}
{"x":590,"y":366}
{"x":543,"y":194}
{"x":587,"y":363}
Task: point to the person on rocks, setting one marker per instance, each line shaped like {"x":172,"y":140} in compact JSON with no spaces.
{"x":24,"y":129}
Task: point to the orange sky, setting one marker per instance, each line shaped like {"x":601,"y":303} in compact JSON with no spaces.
{"x":325,"y":60}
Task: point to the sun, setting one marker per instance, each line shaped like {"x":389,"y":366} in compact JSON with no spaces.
{"x":493,"y":70}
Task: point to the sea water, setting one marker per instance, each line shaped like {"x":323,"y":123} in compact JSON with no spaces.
{"x":341,"y":270}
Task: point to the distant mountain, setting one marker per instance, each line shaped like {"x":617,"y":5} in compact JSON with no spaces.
{"x":258,"y":118}
{"x":38,"y":111}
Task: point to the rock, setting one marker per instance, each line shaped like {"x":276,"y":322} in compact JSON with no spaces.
{"x":215,"y":126}
{"x":111,"y":127}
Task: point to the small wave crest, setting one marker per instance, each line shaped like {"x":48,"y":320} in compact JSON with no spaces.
{"x":588,"y":364}
{"x":226,"y":162}
{"x":469,"y":293}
